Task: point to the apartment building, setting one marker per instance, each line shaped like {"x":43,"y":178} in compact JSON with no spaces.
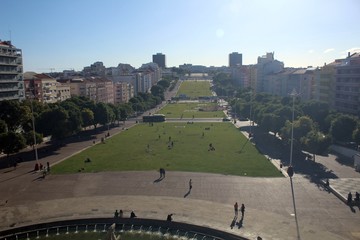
{"x":241,"y":75}
{"x":11,"y":72}
{"x":266,"y":65}
{"x":95,"y":69}
{"x":96,"y":88}
{"x":62,"y":91}
{"x":123,"y":91}
{"x":44,"y":88}
{"x":347,"y":85}
{"x":325,"y":82}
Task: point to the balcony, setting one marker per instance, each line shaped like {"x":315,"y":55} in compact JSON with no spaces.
{"x":10,"y":72}
{"x":9,"y":54}
{"x":8,"y":88}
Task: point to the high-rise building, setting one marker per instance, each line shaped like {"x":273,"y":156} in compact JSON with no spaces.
{"x":235,"y":59}
{"x":266,"y":65}
{"x":11,"y":72}
{"x":347,"y":85}
{"x":159,"y":59}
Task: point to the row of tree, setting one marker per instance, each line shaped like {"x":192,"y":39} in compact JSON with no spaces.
{"x":316,"y":126}
{"x":63,"y":119}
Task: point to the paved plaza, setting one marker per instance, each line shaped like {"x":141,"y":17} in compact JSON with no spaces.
{"x":269,"y":209}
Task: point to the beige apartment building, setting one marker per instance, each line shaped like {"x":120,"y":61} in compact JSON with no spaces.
{"x":44,"y":88}
{"x":96,"y":88}
{"x":123,"y":91}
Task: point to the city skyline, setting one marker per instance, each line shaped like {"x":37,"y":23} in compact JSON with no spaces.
{"x":62,"y":35}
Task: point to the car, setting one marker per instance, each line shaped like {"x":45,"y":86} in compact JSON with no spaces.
{"x":226,"y":119}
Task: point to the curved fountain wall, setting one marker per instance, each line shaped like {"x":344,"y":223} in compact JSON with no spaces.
{"x":176,"y":229}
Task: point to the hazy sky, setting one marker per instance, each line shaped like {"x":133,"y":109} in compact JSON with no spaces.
{"x":64,"y":34}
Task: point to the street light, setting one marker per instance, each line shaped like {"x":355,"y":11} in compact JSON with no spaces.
{"x":293,"y":94}
{"x":251,"y":102}
{"x":33,"y":126}
{"x":290,"y":169}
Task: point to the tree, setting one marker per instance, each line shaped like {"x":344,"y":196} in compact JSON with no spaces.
{"x":3,"y":127}
{"x":302,"y":126}
{"x":29,"y":138}
{"x":101,"y":114}
{"x":271,"y":122}
{"x":14,"y":114}
{"x":356,"y":135}
{"x":164,"y":83}
{"x":54,"y":122}
{"x":87,"y":117}
{"x":158,"y":91}
{"x":74,"y":121}
{"x":317,"y":111}
{"x":11,"y":142}
{"x":315,"y":142}
{"x":343,"y":127}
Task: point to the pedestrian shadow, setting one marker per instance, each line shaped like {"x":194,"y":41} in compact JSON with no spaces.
{"x":158,"y":180}
{"x":352,"y":209}
{"x":233,"y":222}
{"x":187,"y":194}
{"x":240,"y":223}
{"x":40,"y":178}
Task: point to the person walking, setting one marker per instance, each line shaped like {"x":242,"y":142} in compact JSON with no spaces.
{"x":190,"y":185}
{"x":242,"y":209}
{"x":236,"y":208}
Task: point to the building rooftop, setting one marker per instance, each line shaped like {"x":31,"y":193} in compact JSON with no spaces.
{"x":6,"y":43}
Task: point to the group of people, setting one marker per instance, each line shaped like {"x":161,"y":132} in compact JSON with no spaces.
{"x":44,"y":169}
{"x":242,"y":210}
{"x":120,"y":214}
{"x":350,"y":198}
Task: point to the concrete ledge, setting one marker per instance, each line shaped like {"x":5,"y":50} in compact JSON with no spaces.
{"x":100,"y":224}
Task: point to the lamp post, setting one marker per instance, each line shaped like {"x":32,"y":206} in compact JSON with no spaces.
{"x":290,"y":169}
{"x":251,"y":102}
{"x":33,"y":126}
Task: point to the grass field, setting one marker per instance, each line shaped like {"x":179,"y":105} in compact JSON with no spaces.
{"x":146,"y":147}
{"x":189,"y":110}
{"x":195,"y":89}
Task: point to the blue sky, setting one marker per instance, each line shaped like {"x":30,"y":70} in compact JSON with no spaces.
{"x":65,"y":34}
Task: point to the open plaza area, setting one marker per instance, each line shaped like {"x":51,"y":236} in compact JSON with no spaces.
{"x":200,"y":186}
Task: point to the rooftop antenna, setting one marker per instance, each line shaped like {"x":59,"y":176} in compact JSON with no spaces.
{"x":9,"y":33}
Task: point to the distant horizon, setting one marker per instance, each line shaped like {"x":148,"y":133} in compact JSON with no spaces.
{"x":67,"y":34}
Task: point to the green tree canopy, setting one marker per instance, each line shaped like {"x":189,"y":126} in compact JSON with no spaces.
{"x":11,"y":142}
{"x":343,"y":127}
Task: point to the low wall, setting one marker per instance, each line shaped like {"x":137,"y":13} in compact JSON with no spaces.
{"x":347,"y":152}
{"x":101,"y":223}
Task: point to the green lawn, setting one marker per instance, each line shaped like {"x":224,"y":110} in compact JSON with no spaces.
{"x":195,"y":89}
{"x":189,"y":110}
{"x":145,"y":147}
